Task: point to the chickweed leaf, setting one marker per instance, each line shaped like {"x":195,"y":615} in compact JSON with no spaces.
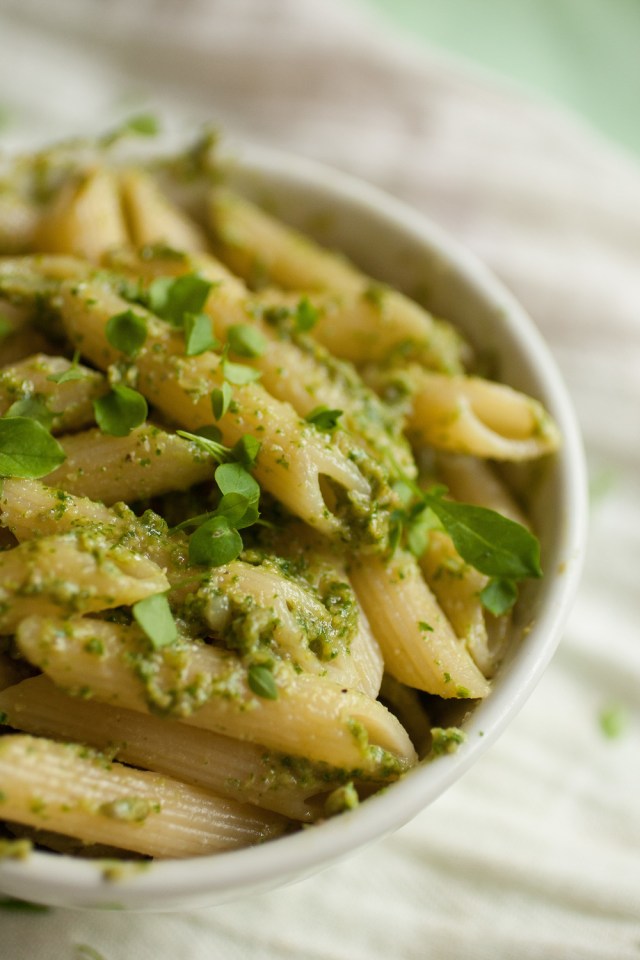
{"x":239,"y":373}
{"x":34,"y":407}
{"x":120,"y":411}
{"x":246,"y":341}
{"x":220,"y":400}
{"x":214,"y":543}
{"x":126,"y":332}
{"x":74,"y":372}
{"x":27,"y":449}
{"x":174,"y":298}
{"x":499,"y":596}
{"x":233,"y":478}
{"x":246,"y":451}
{"x":198,"y":334}
{"x":153,"y":615}
{"x":324,"y":419}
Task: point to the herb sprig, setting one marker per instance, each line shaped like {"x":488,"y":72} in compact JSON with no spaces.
{"x":502,"y":549}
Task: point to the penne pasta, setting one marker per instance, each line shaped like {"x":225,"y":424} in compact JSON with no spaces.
{"x":359,"y":320}
{"x":253,"y":545}
{"x":65,"y":788}
{"x":469,"y":415}
{"x":203,"y":686}
{"x":38,"y":382}
{"x":417,"y":641}
{"x":146,"y":463}
{"x":72,"y":573}
{"x":241,"y":771}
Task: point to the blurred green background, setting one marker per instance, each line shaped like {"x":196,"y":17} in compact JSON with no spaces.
{"x":582,"y":53}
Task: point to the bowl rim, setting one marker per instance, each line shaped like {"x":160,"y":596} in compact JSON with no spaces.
{"x":214,"y":878}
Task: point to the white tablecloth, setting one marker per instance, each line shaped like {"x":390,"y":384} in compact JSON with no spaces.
{"x":536,"y":852}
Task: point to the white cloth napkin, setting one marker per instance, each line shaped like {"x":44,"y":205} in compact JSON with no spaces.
{"x":536,"y":851}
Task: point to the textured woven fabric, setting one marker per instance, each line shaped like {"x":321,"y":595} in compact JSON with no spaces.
{"x":534,"y":853}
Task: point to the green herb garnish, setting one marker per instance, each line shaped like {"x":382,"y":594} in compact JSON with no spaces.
{"x":198,"y":334}
{"x":499,"y":596}
{"x":239,"y":373}
{"x":262,"y":682}
{"x":220,"y":400}
{"x":27,"y":449}
{"x":174,"y":298}
{"x":153,"y":615}
{"x":215,"y":543}
{"x":446,"y":739}
{"x":118,"y":412}
{"x":246,"y":341}
{"x":71,"y":373}
{"x":35,"y":407}
{"x":126,"y":332}
{"x":306,"y":316}
{"x":324,"y":419}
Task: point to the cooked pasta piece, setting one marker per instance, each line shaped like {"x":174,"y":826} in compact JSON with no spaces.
{"x":359,"y":320}
{"x":84,"y":218}
{"x":293,"y":457}
{"x":66,"y":788}
{"x":320,"y":378}
{"x":251,"y":606}
{"x":147,"y":462}
{"x":457,"y":587}
{"x":206,"y":687}
{"x":65,"y":405}
{"x":470,"y":415}
{"x":72,"y":573}
{"x":417,"y":641}
{"x":242,"y":771}
{"x":151,"y":218}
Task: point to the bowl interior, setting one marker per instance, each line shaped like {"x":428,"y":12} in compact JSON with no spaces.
{"x":398,"y":246}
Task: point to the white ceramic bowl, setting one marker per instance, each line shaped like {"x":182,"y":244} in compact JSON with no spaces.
{"x":397,"y":245}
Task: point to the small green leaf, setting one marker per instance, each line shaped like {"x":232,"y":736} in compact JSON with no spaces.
{"x":262,"y":682}
{"x":238,"y":510}
{"x":424,"y":626}
{"x":239,"y":373}
{"x":126,"y":332}
{"x":27,"y":449}
{"x":174,"y":298}
{"x":420,"y":523}
{"x":233,"y":478}
{"x":120,"y":411}
{"x":217,"y":450}
{"x":198,"y":334}
{"x":324,"y":419}
{"x":220,"y":400}
{"x":214,"y":543}
{"x":306,"y":316}
{"x":246,"y":341}
{"x":499,"y":596}
{"x":488,"y":541}
{"x":153,"y":615}
{"x":34,"y":407}
{"x":246,"y":451}
{"x":71,"y":373}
